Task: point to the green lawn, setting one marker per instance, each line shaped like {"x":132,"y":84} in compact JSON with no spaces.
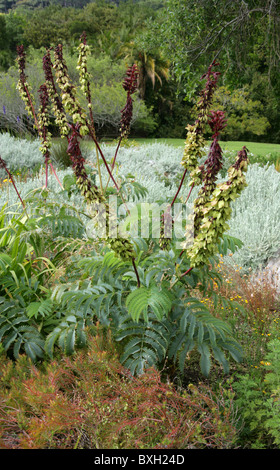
{"x":254,"y":147}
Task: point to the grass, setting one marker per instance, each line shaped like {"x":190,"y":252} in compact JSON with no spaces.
{"x":256,"y":148}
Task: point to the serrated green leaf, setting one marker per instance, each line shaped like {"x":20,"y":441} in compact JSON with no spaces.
{"x":205,"y":362}
{"x":70,"y":340}
{"x":8,"y":340}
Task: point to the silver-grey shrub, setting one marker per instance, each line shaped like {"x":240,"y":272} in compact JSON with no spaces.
{"x":19,"y":153}
{"x":256,"y":217}
{"x":155,"y":166}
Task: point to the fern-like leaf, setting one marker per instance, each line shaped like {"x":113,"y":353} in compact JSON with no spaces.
{"x":17,"y":333}
{"x":68,"y":335}
{"x":139,"y":300}
{"x":43,"y":308}
{"x":145,"y":343}
{"x":210,"y":335}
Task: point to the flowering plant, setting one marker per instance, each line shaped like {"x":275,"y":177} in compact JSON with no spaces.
{"x":149,"y":309}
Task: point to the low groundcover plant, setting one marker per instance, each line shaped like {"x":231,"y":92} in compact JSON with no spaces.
{"x":90,"y":401}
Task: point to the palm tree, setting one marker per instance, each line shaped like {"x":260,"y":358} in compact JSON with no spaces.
{"x":152,"y":66}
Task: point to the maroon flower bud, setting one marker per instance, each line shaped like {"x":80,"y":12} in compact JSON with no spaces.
{"x":130,"y":86}
{"x":214,"y":161}
{"x":47,"y":67}
{"x":206,"y":94}
{"x":131,"y":80}
{"x":217,"y":122}
{"x":73,"y":148}
{"x":126,"y":116}
{"x":83,"y":37}
{"x":43,"y":97}
{"x":21,"y":62}
{"x":241,"y":157}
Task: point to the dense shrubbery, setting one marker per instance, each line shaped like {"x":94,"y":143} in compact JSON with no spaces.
{"x":149,"y":33}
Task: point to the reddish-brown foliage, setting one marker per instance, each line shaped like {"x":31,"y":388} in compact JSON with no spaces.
{"x":91,"y":401}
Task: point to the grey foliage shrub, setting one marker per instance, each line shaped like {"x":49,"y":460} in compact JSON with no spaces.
{"x":9,"y":196}
{"x":256,"y":217}
{"x":155,"y":166}
{"x":19,"y":153}
{"x":23,"y":153}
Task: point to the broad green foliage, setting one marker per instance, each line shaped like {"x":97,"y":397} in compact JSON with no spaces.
{"x":245,"y":116}
{"x":257,"y":396}
{"x":139,"y":300}
{"x":39,"y":314}
{"x":27,"y":310}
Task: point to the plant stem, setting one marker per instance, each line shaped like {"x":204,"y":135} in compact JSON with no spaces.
{"x":14,"y":185}
{"x":136,"y":272}
{"x":53,"y":170}
{"x":186,"y":272}
{"x":99,"y":170}
{"x":192,"y":186}
{"x":96,"y":148}
{"x":47,"y":163}
{"x":179,"y":188}
{"x":114,"y":160}
{"x":107,"y":167}
{"x":103,"y":158}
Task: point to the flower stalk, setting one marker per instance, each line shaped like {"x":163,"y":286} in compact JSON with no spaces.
{"x":212,"y":207}
{"x":130,"y":84}
{"x":40,"y":121}
{"x":72,"y":106}
{"x":84,"y":52}
{"x":217,"y":211}
{"x":210,"y":168}
{"x":3,"y":165}
{"x":43,"y":123}
{"x":23,"y":86}
{"x":193,"y":150}
{"x":195,"y":142}
{"x":65,"y":103}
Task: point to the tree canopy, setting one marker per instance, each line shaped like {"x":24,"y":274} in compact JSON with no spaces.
{"x":173,"y":42}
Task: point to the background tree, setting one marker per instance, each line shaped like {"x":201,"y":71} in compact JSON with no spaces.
{"x":48,"y":26}
{"x":174,"y":39}
{"x":245,"y":119}
{"x":192,"y":33}
{"x":5,"y":5}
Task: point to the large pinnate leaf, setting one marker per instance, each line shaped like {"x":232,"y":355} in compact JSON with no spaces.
{"x":140,"y":300}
